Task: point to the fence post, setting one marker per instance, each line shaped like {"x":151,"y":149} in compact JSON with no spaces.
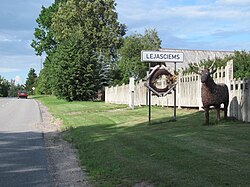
{"x":178,"y":91}
{"x":131,"y":92}
{"x":229,"y":69}
{"x":228,"y":81}
{"x":248,"y":100}
{"x":234,"y":101}
{"x":245,"y":100}
{"x":199,"y":92}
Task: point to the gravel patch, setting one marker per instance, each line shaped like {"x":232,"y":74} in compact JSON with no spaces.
{"x":63,"y":161}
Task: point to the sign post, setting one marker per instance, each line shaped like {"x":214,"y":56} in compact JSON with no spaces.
{"x":174,"y":96}
{"x":149,"y":97}
{"x":162,"y":57}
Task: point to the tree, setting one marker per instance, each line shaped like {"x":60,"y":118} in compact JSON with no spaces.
{"x":96,"y":20}
{"x":4,"y":87}
{"x":241,"y":61}
{"x":75,"y":74}
{"x":13,"y":89}
{"x":130,"y":64}
{"x":44,"y":37}
{"x":30,"y":81}
{"x":66,"y":24}
{"x":104,"y":73}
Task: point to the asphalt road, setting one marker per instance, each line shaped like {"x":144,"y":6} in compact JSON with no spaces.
{"x":23,"y":157}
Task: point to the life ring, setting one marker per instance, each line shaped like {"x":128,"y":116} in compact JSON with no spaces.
{"x":155,"y":76}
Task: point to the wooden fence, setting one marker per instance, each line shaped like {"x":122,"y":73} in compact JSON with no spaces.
{"x":188,"y":93}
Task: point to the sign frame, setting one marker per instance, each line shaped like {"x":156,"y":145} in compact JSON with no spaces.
{"x":161,"y":57}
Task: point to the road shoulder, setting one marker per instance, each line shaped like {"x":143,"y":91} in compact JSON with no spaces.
{"x":63,"y":161}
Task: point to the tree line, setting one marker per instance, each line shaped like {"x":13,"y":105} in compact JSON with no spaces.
{"x":10,"y":88}
{"x":241,"y":64}
{"x":86,"y":48}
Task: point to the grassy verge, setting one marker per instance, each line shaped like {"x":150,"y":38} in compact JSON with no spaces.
{"x":118,"y":148}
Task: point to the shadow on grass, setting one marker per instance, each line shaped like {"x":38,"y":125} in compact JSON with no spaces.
{"x":165,"y":153}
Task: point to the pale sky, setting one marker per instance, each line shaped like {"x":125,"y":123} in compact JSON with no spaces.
{"x":181,"y":24}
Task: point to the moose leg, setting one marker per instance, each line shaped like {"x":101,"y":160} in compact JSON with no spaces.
{"x":206,"y":115}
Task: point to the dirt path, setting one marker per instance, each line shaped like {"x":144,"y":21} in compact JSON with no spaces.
{"x":63,"y":161}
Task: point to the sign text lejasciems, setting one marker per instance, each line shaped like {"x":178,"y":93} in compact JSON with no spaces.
{"x":161,"y":56}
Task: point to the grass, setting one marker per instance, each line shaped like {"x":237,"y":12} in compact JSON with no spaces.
{"x":118,"y":147}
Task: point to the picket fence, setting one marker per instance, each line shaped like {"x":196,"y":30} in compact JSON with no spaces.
{"x":188,"y":92}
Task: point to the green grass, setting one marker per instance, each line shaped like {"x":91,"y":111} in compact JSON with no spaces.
{"x":118,"y":147}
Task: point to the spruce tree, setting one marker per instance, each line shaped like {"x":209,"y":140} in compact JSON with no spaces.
{"x":30,"y":81}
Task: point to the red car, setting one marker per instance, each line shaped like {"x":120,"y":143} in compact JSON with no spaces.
{"x":22,"y":94}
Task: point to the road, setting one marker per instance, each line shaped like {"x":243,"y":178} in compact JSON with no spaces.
{"x":23,"y":156}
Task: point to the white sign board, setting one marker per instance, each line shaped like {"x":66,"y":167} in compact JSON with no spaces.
{"x":161,"y":56}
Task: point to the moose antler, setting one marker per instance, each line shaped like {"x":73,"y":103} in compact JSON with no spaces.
{"x":212,"y":66}
{"x":197,"y":65}
{"x":213,"y":63}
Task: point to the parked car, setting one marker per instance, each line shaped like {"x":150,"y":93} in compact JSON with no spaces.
{"x":22,"y":94}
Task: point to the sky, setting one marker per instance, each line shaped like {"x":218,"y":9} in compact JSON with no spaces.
{"x":181,"y":24}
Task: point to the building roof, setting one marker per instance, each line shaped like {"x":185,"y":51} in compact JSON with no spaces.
{"x":194,"y":56}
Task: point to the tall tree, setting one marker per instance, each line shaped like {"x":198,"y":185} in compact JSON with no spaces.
{"x":44,"y":82}
{"x":94,"y":24}
{"x":30,"y":81}
{"x":96,"y":20}
{"x":130,"y":64}
{"x":13,"y":89}
{"x":76,"y":75}
{"x":44,"y":41}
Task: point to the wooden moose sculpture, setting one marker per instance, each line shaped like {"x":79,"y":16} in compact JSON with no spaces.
{"x":212,"y":94}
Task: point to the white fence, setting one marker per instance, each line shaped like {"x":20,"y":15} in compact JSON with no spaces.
{"x":188,"y":93}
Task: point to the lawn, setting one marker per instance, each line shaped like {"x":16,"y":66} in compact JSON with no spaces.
{"x":118,"y":147}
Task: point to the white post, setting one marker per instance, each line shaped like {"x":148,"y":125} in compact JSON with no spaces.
{"x":228,"y":80}
{"x":229,"y":73}
{"x":131,"y":92}
{"x":245,"y":100}
{"x":199,"y":93}
{"x":248,"y":100}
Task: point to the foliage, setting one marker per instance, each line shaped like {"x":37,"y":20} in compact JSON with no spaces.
{"x":9,"y":88}
{"x":30,"y":81}
{"x":96,"y":20}
{"x":104,"y":73}
{"x":118,"y":148}
{"x":205,"y":64}
{"x":45,"y":81}
{"x":45,"y":42}
{"x":42,"y":83}
{"x":44,"y":37}
{"x":4,"y":87}
{"x":75,"y":74}
{"x":130,"y":64}
{"x":13,"y":88}
{"x":241,"y":63}
{"x":65,"y":24}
